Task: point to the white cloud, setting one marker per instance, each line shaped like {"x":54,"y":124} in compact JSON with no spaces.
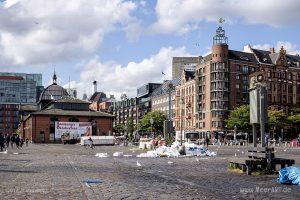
{"x":36,"y":32}
{"x":116,"y":79}
{"x":182,"y":16}
{"x":288,"y":46}
{"x":133,"y":31}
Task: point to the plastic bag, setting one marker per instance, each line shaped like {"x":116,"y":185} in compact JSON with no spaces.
{"x":289,"y":175}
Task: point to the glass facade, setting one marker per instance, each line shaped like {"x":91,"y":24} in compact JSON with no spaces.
{"x":19,"y":87}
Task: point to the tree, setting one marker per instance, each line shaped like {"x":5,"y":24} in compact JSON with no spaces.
{"x":239,"y":117}
{"x":158,"y":122}
{"x":276,"y":118}
{"x":129,"y":126}
{"x":120,"y":128}
{"x":294,"y":120}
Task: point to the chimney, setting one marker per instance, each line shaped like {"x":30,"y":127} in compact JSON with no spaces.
{"x":95,"y":86}
{"x":272,"y":50}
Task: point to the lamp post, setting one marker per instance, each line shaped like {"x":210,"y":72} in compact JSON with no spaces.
{"x":181,"y":104}
{"x":234,"y":136}
{"x":151,"y":122}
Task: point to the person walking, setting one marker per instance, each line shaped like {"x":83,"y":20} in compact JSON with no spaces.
{"x":207,"y":140}
{"x":26,"y":141}
{"x":2,"y":142}
{"x":21,"y":142}
{"x":90,"y":143}
{"x":7,"y":140}
{"x":12,"y":141}
{"x":17,"y":141}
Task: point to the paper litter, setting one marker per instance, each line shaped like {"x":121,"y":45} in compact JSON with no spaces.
{"x":118,"y":154}
{"x":173,"y":151}
{"x":101,"y":155}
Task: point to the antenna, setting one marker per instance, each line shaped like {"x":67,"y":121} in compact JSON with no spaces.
{"x":221,"y":20}
{"x":69,"y":87}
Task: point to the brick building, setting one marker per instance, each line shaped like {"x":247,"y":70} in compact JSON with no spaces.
{"x":223,"y":81}
{"x":160,"y":97}
{"x":185,"y":105}
{"x":55,"y":105}
{"x":40,"y":126}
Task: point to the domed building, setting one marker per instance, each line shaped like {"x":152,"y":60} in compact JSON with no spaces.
{"x":52,"y":93}
{"x":58,"y":114}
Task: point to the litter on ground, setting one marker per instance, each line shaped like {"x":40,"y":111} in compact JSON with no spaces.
{"x":191,"y":149}
{"x":118,"y":154}
{"x":289,"y":175}
{"x":101,"y":155}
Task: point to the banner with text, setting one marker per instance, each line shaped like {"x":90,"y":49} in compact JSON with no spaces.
{"x":72,"y":129}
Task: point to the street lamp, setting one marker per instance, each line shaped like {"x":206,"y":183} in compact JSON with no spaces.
{"x":234,"y":136}
{"x":181,"y":104}
{"x":151,"y":122}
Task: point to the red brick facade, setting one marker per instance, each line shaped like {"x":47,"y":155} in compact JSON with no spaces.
{"x":35,"y":125}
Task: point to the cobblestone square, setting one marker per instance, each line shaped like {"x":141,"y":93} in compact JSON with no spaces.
{"x":56,"y":171}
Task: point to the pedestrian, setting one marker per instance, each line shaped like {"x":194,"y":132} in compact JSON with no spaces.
{"x":21,"y":142}
{"x":207,"y":141}
{"x":26,"y":141}
{"x":7,"y":140}
{"x":17,"y":141}
{"x":2,"y":142}
{"x":12,"y":141}
{"x":267,"y":140}
{"x":90,"y":143}
{"x":298,"y":141}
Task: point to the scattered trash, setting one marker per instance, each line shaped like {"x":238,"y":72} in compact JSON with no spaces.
{"x":191,"y":149}
{"x":289,"y":175}
{"x":127,"y":155}
{"x":197,"y":159}
{"x":138,"y":164}
{"x":101,"y":155}
{"x":170,"y":162}
{"x":118,"y":154}
{"x":16,"y":153}
{"x":235,"y":154}
{"x":4,"y":152}
{"x":90,"y":182}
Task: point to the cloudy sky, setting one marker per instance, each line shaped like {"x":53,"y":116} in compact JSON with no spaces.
{"x":124,"y":44}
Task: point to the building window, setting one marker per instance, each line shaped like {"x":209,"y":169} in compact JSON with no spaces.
{"x":237,"y":86}
{"x":238,"y":68}
{"x":269,"y":74}
{"x":290,"y":76}
{"x":237,"y":77}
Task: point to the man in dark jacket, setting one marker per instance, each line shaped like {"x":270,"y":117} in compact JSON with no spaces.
{"x":7,"y":140}
{"x":17,"y":141}
{"x":2,"y":141}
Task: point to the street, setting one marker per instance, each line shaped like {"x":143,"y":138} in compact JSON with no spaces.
{"x":55,"y":171}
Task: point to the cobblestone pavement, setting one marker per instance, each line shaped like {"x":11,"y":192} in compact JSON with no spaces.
{"x":55,"y":171}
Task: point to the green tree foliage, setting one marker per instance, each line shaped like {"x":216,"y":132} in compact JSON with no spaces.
{"x":276,"y":118}
{"x":294,"y":120}
{"x":129,"y":126}
{"x":120,"y":128}
{"x":239,"y":117}
{"x":158,"y":121}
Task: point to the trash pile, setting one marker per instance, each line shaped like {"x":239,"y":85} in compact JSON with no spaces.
{"x":289,"y":175}
{"x":176,"y":150}
{"x":197,"y":150}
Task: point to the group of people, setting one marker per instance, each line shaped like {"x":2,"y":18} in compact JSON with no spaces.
{"x":9,"y":140}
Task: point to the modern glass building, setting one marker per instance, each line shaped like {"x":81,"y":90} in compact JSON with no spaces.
{"x":16,"y":89}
